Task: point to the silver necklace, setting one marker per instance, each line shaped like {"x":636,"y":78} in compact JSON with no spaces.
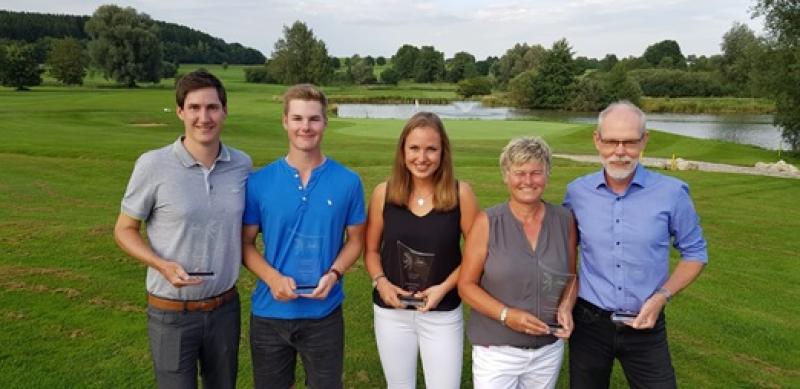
{"x":421,"y":200}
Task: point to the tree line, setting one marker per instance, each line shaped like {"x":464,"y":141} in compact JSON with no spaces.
{"x":532,"y":76}
{"x":68,"y":45}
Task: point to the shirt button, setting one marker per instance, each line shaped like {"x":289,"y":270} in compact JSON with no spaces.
{"x":617,"y":243}
{"x":304,"y":198}
{"x":617,"y":220}
{"x":296,"y":175}
{"x":619,"y":198}
{"x":300,"y":187}
{"x":619,"y":288}
{"x":618,"y":265}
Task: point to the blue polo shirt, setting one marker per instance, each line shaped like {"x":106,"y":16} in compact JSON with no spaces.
{"x":625,"y":239}
{"x":303,"y":228}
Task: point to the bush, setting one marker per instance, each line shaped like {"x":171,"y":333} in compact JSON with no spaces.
{"x":258,"y":74}
{"x":474,"y":86}
{"x":168,"y":69}
{"x":521,"y":89}
{"x":677,"y":83}
{"x":390,"y":76}
{"x":587,"y":94}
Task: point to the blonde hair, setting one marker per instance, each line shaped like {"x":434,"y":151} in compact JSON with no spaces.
{"x":398,"y":187}
{"x":305,"y":92}
{"x":523,"y":150}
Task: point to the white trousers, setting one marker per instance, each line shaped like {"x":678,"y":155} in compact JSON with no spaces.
{"x":506,"y":367}
{"x":439,"y":338}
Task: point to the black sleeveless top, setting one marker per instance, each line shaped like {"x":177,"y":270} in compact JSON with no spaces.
{"x":436,"y":232}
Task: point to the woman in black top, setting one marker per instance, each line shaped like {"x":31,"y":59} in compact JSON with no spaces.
{"x":414,"y":227}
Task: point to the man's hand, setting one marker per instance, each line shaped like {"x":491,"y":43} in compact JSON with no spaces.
{"x":649,"y":313}
{"x":176,"y":275}
{"x":282,"y":288}
{"x":324,"y":286}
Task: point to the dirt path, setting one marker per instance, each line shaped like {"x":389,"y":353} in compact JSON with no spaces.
{"x":704,"y":166}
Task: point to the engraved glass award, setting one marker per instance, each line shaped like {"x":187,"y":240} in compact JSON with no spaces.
{"x":553,"y":287}
{"x":199,"y":264}
{"x":306,"y":266}
{"x":416,"y":268}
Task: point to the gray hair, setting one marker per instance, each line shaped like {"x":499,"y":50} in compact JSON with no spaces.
{"x":623,"y":104}
{"x":523,"y":150}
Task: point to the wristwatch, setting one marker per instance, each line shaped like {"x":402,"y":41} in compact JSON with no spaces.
{"x":376,"y":278}
{"x":664,"y":291}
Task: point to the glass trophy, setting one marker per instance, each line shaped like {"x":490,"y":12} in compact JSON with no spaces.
{"x":307,"y":269}
{"x":629,"y":310}
{"x":199,"y":266}
{"x":553,"y":287}
{"x":416,"y":268}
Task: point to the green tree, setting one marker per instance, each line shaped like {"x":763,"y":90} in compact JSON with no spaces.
{"x":404,"y":61}
{"x":124,"y":45}
{"x":782,"y":19}
{"x":521,"y":89}
{"x":361,"y":71}
{"x":460,"y":67}
{"x":741,"y":51}
{"x":516,"y":60}
{"x":380,"y":61}
{"x":483,"y":67}
{"x":390,"y":76}
{"x":620,"y":86}
{"x":556,"y":73}
{"x":19,"y":68}
{"x":67,"y":61}
{"x":608,"y":62}
{"x":429,"y":66}
{"x":300,"y":57}
{"x":655,"y":54}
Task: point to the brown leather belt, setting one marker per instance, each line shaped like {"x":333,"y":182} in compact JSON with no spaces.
{"x":204,"y":305}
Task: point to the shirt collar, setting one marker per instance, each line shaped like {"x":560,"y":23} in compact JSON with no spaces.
{"x":188,"y":161}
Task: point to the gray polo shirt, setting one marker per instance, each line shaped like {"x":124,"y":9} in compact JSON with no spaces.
{"x":193,"y":215}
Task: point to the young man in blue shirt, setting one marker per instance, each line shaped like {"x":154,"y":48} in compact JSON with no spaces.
{"x":627,"y":217}
{"x":303,"y":204}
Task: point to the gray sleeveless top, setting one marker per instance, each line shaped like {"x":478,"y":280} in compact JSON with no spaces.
{"x":511,"y":272}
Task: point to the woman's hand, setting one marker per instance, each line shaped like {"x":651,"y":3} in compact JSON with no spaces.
{"x":526,"y":323}
{"x":432,"y":297}
{"x":565,"y":319}
{"x":389,"y":293}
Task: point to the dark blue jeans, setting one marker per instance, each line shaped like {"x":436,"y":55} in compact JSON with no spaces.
{"x":596,"y":341}
{"x":274,"y":344}
{"x":178,"y":340}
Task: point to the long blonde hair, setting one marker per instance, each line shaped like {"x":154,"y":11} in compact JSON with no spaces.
{"x":398,"y":187}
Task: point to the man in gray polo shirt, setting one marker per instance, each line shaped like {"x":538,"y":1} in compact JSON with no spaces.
{"x":190,"y":195}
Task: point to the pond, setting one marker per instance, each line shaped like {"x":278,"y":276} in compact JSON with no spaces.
{"x":750,"y":129}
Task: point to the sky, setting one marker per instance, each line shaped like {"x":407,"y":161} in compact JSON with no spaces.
{"x":482,"y":28}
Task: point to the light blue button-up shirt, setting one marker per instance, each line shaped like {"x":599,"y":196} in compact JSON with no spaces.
{"x":625,"y":238}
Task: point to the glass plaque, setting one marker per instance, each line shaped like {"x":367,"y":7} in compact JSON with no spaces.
{"x":416,"y":269}
{"x":306,"y":266}
{"x":552,"y":289}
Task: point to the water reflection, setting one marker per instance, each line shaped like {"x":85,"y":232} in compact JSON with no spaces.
{"x":738,"y":128}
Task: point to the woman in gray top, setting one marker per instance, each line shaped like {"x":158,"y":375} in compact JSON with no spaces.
{"x":518,"y":275}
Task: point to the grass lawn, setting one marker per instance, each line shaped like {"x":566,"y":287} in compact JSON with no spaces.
{"x":73,"y":304}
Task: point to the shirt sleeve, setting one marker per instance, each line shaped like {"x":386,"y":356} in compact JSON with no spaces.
{"x":684,"y":226}
{"x":252,"y":209}
{"x":567,"y":199}
{"x":140,"y":195}
{"x":355,"y":213}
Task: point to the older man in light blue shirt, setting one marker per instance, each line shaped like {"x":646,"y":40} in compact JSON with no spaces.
{"x":627,"y":219}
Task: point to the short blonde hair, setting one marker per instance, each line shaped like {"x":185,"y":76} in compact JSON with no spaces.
{"x":305,"y":92}
{"x":523,"y":150}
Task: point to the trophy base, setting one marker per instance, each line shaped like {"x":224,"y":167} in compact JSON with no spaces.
{"x":411,"y":301}
{"x":555,"y":327}
{"x":305,"y":289}
{"x":623,"y":317}
{"x":201,"y":274}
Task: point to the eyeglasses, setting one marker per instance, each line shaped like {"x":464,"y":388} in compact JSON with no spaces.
{"x":626,"y":143}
